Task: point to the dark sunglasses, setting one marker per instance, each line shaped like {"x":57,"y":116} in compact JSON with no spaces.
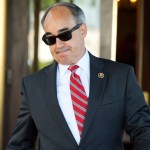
{"x":64,"y":36}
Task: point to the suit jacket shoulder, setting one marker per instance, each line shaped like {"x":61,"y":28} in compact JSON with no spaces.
{"x":39,"y":74}
{"x":110,"y":65}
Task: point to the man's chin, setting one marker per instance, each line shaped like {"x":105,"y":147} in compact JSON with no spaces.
{"x":65,"y":61}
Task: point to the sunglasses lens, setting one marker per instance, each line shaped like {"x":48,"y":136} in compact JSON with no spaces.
{"x":50,"y":40}
{"x":65,"y":36}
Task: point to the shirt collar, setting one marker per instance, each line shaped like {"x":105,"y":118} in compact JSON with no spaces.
{"x":84,"y":63}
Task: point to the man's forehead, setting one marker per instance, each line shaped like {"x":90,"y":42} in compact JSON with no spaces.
{"x":60,"y":10}
{"x":59,"y":15}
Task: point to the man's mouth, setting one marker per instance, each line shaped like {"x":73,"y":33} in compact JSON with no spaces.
{"x":61,"y":51}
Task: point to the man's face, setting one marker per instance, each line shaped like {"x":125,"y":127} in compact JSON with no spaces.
{"x":59,"y":20}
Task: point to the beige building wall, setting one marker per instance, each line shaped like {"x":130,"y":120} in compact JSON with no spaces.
{"x":2,"y":63}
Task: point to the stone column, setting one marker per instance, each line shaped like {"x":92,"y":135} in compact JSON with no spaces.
{"x":108,"y":28}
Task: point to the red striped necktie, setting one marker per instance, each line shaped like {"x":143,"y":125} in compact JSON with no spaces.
{"x":79,"y":97}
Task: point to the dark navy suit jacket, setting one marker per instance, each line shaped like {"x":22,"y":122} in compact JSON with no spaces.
{"x":116,"y":103}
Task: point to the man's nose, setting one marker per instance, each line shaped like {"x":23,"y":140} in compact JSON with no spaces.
{"x":59,"y":43}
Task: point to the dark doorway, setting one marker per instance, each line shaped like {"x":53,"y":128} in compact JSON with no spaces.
{"x":126,"y":32}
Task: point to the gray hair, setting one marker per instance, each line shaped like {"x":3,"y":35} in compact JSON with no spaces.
{"x":76,"y":11}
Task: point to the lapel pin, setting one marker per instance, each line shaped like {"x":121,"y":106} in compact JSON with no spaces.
{"x":101,"y":75}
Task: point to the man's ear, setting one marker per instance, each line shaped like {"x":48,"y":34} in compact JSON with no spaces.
{"x":83,"y":30}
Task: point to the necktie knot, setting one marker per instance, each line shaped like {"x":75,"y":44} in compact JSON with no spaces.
{"x":73,"y":68}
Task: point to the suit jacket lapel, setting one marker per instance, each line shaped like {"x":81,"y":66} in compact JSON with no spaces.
{"x":97,"y":85}
{"x":52,"y":101}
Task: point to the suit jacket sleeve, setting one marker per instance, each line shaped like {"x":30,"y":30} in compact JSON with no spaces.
{"x":25,"y":133}
{"x":137,"y":114}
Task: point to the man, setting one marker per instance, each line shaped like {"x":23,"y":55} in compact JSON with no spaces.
{"x":109,"y":97}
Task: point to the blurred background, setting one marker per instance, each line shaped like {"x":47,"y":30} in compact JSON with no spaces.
{"x":117,"y":30}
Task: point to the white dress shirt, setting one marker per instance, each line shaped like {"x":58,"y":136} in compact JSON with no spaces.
{"x":63,"y":91}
